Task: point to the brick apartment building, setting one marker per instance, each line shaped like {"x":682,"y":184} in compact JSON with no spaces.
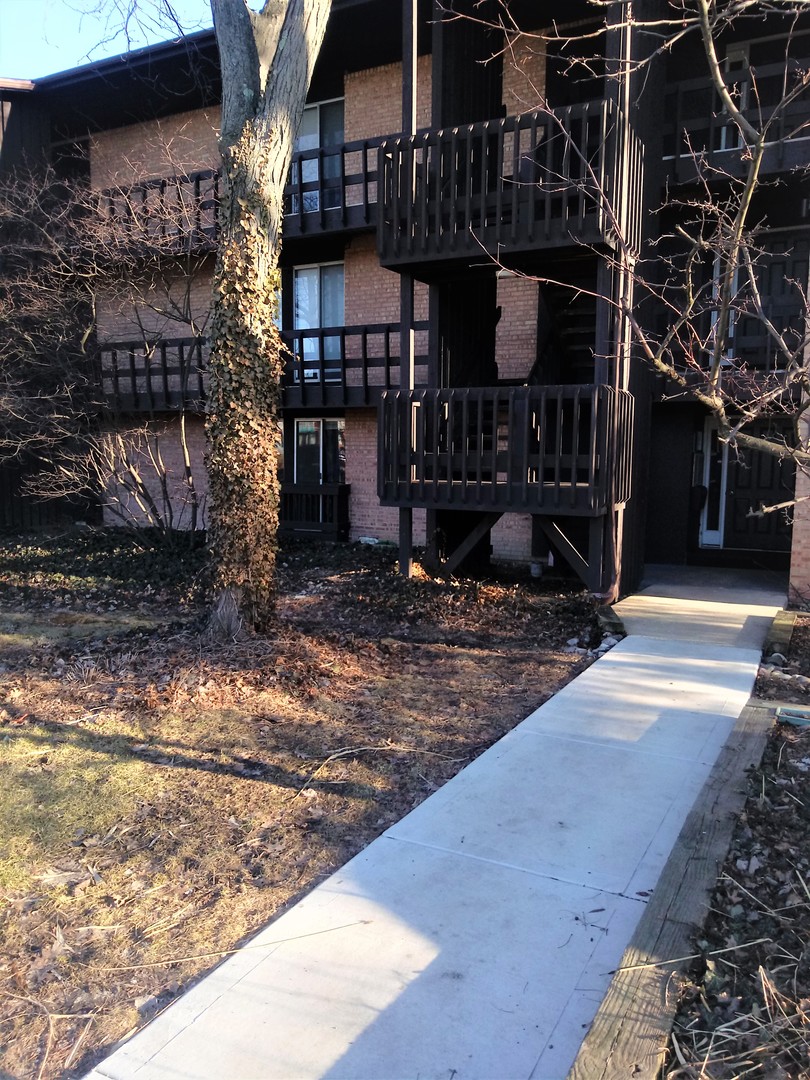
{"x":437,"y":393}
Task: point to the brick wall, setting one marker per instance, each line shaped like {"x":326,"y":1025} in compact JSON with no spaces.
{"x":524,"y":74}
{"x":373,"y":104}
{"x":164,"y":440}
{"x":372,"y":297}
{"x":374,"y":96}
{"x":516,"y":333}
{"x":177,"y":144}
{"x":174,"y":304}
{"x":366,"y":515}
{"x":512,"y":538}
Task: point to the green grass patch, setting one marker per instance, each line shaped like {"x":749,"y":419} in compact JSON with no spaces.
{"x":60,"y":784}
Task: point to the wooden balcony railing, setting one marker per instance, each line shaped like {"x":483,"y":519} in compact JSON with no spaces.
{"x":502,"y":186}
{"x":332,"y":189}
{"x":329,"y":189}
{"x":696,"y":128}
{"x":315,"y":509}
{"x":557,"y":450}
{"x":333,"y":367}
{"x":172,"y":213}
{"x":346,"y":365}
{"x":148,"y":377}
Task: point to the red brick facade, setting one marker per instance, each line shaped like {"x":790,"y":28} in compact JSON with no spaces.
{"x":158,"y":455}
{"x":187,"y":142}
{"x":183,"y":143}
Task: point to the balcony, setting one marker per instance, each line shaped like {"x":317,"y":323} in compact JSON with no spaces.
{"x":320,"y":510}
{"x":332,"y":189}
{"x":696,"y":129}
{"x":328,"y":190}
{"x":172,"y":214}
{"x":330,"y":367}
{"x":549,"y":450}
{"x":153,"y":377}
{"x":500,"y":187}
{"x":338,"y":366}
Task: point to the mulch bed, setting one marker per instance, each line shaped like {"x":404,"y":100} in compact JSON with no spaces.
{"x":745,"y":1008}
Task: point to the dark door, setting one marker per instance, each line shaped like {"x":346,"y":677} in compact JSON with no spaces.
{"x":753,"y":481}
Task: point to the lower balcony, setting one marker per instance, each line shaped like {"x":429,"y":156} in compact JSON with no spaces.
{"x":320,"y":510}
{"x":548,"y":450}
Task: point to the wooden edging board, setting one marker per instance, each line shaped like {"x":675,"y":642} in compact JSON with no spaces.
{"x":629,"y":1035}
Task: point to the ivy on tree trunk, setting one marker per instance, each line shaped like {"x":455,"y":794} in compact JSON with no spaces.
{"x":266,"y":58}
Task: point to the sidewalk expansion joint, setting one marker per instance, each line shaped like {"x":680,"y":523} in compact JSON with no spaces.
{"x":519,"y":869}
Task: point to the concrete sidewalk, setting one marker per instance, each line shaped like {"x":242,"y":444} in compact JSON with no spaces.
{"x":475,"y":938}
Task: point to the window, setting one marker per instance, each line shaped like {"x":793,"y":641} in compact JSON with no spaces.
{"x":718,"y":270}
{"x":738,"y":80}
{"x":320,"y":452}
{"x":318,"y":304}
{"x":321,"y":129}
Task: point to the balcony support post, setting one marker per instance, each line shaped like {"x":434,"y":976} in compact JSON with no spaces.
{"x":434,"y":376}
{"x":406,"y":335}
{"x":406,"y":382}
{"x":606,"y":318}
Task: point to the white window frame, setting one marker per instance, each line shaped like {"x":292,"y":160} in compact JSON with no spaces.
{"x":332,"y":373}
{"x":321,"y":420}
{"x":713,"y":538}
{"x":309,"y":168}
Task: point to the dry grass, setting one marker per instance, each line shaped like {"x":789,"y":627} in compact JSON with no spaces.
{"x":164,"y":799}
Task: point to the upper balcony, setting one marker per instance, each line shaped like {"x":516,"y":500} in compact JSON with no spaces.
{"x":172,"y":214}
{"x":332,"y":189}
{"x":328,"y":191}
{"x":501,"y":187}
{"x":697,"y":131}
{"x":346,"y":366}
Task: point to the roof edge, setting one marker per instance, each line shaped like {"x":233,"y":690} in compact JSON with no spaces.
{"x":163,"y":50}
{"x":23,"y":85}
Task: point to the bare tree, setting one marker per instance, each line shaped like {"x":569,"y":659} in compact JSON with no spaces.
{"x":703,"y":275}
{"x":267,"y":59}
{"x":86,"y":411}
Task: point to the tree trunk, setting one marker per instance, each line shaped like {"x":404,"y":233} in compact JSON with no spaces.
{"x":267,"y":60}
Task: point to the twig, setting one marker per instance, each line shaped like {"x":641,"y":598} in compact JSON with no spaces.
{"x":350,"y":751}
{"x":228,"y":952}
{"x":683,"y":959}
{"x":46,"y":1010}
{"x":77,"y":1044}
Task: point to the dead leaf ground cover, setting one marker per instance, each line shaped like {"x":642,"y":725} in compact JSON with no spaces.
{"x":162,"y":799}
{"x":745,"y":1008}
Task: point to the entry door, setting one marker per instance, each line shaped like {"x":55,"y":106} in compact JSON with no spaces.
{"x":735,"y":484}
{"x":758,"y":480}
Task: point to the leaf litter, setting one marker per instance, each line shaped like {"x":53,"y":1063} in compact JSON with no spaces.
{"x":164,"y":799}
{"x":747,"y":1014}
